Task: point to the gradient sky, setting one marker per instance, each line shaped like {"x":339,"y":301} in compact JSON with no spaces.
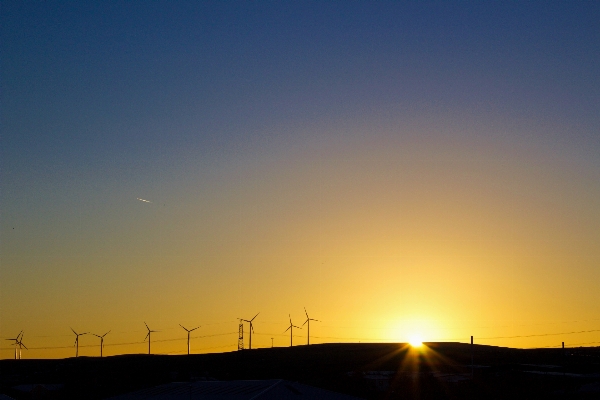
{"x":400,"y":169}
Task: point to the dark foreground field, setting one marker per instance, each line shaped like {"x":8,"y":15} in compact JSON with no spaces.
{"x":371,"y":371}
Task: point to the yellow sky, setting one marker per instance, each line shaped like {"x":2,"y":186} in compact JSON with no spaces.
{"x":442,"y":237}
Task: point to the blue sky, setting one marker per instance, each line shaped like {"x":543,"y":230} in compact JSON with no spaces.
{"x":77,"y":76}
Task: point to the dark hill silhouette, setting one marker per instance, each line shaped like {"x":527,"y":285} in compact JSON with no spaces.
{"x":503,"y":372}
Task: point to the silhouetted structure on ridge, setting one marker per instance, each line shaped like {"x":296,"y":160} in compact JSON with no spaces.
{"x":241,"y":335}
{"x":101,"y":341}
{"x":290,"y":328}
{"x":250,"y":330}
{"x":148,"y":336}
{"x":188,"y":334}
{"x":308,"y":319}
{"x":77,"y":341}
{"x":17,"y":343}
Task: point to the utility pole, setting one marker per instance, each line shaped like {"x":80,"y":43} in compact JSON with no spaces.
{"x":472,"y":366}
{"x":563,"y":358}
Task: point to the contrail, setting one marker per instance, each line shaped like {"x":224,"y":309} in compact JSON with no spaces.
{"x":145,"y":201}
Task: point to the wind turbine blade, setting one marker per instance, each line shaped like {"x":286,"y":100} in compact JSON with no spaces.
{"x":194,"y":328}
{"x":315,"y":320}
{"x":147,"y":334}
{"x":305,"y":322}
{"x":106,"y":333}
{"x":255,"y":316}
{"x":184,"y":327}
{"x":146,"y":325}
{"x":305,"y":312}
{"x":23,"y":344}
{"x":73,"y":330}
{"x":289,"y":327}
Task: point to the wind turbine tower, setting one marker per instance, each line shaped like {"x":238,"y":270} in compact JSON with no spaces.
{"x":189,"y":331}
{"x":251,"y":329}
{"x":21,"y":345}
{"x":77,"y":341}
{"x":16,"y":339}
{"x":308,"y":319}
{"x":291,"y":329}
{"x":148,"y":336}
{"x":101,"y":341}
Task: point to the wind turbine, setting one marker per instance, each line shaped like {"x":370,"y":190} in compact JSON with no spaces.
{"x":308,"y":319}
{"x":251,"y":329}
{"x":16,"y":339}
{"x":148,"y":336}
{"x":188,"y":331}
{"x":77,"y":341}
{"x":291,"y":329}
{"x":21,"y":345}
{"x":101,"y":341}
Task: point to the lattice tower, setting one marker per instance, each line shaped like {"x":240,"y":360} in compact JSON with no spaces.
{"x":241,"y":336}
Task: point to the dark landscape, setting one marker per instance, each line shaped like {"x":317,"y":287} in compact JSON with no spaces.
{"x":370,"y":371}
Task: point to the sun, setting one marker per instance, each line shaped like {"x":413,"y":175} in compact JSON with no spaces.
{"x":415,"y":332}
{"x":415,"y":341}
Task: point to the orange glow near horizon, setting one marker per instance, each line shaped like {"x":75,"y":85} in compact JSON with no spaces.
{"x":416,"y":330}
{"x":451,"y":247}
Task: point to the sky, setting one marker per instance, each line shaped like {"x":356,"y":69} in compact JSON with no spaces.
{"x":401,"y":170}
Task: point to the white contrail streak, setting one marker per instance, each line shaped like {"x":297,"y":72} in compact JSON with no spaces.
{"x":145,"y":201}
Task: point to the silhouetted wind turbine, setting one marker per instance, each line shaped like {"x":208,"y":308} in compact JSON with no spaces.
{"x":251,"y":329}
{"x":188,"y":331}
{"x":148,"y":336}
{"x":77,"y":341}
{"x":16,"y":339}
{"x":290,"y":328}
{"x":21,"y":344}
{"x":101,"y":341}
{"x":308,"y":322}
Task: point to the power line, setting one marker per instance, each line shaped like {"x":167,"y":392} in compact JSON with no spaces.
{"x":539,"y":335}
{"x":317,"y":337}
{"x":121,"y":344}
